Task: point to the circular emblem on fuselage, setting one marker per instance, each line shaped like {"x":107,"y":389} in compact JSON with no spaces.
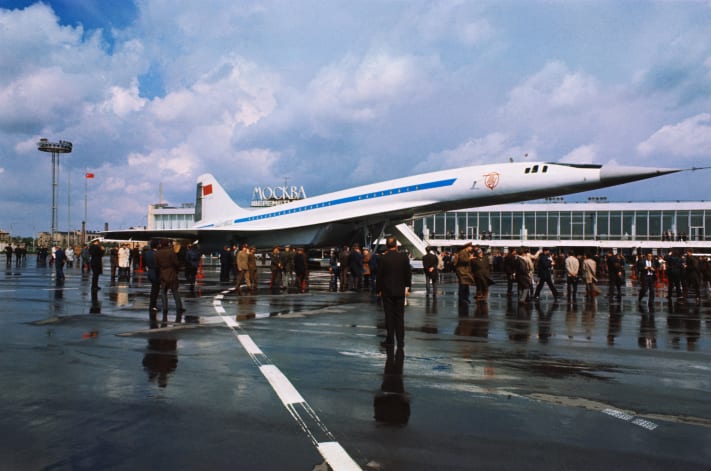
{"x":491,"y":180}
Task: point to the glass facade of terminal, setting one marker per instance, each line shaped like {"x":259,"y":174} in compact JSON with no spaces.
{"x":162,"y":216}
{"x":576,"y":221}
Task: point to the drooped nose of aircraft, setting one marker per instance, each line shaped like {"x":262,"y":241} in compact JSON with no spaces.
{"x":617,"y":174}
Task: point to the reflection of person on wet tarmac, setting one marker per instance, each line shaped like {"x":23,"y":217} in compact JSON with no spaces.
{"x":615,"y":323}
{"x":161,"y":359}
{"x":478,"y":326}
{"x":168,"y":267}
{"x":647,"y":329}
{"x":95,"y":304}
{"x":544,"y":322}
{"x":392,"y":404}
{"x":394,"y":280}
{"x":518,"y":323}
{"x":96,"y":252}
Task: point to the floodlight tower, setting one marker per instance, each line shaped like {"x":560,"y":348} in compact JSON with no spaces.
{"x":55,"y":148}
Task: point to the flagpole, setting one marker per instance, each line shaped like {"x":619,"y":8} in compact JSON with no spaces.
{"x":86,"y":189}
{"x":69,"y":207}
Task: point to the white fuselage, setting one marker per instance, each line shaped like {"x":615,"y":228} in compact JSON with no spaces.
{"x":336,"y":217}
{"x":425,"y":193}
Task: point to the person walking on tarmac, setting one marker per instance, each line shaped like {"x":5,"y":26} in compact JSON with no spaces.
{"x":691,"y":275}
{"x":510,"y":270}
{"x":614,"y":273}
{"x":149,"y":260}
{"x":480,"y":271}
{"x":545,"y":272}
{"x":252,"y":267}
{"x":59,"y":260}
{"x":572,"y":270}
{"x":168,"y":267}
{"x":276,"y":269}
{"x":463,"y":269}
{"x":429,"y":265}
{"x":96,"y":252}
{"x":393,"y":283}
{"x":647,"y":271}
{"x":192,"y":263}
{"x":243,"y":269}
{"x":674,"y":267}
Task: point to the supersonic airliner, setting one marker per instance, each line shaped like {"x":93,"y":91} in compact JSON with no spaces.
{"x":346,"y":216}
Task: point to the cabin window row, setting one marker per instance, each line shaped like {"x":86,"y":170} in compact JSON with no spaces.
{"x":534,"y":169}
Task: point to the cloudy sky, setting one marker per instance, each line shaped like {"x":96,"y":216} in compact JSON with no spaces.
{"x":331,"y":94}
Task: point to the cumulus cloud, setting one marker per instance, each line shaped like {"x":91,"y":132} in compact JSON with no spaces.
{"x":586,"y":154}
{"x":687,"y":139}
{"x":452,"y":20}
{"x":495,"y":147}
{"x":177,"y":161}
{"x":553,"y":89}
{"x":124,"y":100}
{"x":360,"y":90}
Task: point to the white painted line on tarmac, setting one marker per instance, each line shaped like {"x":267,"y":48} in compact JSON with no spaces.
{"x":334,"y":454}
{"x":618,"y":414}
{"x":283,"y":387}
{"x":249,"y":345}
{"x":230,"y":321}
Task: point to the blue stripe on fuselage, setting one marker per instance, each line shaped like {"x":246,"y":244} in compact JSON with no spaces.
{"x":350,"y":199}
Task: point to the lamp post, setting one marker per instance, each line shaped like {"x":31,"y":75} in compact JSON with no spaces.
{"x":55,"y":148}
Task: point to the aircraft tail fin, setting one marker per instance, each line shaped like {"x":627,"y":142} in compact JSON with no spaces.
{"x":212,"y":203}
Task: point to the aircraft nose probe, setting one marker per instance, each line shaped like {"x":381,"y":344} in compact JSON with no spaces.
{"x":618,"y":174}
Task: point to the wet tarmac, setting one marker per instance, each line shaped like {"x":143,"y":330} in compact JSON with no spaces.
{"x":295,"y":381}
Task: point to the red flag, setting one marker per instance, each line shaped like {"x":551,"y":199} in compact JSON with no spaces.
{"x":207,"y":190}
{"x":89,"y":175}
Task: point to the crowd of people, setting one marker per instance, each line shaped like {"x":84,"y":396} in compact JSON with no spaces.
{"x":353,"y":268}
{"x":686,"y":274}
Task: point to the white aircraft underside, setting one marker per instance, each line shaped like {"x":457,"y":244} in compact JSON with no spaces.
{"x":343,"y":216}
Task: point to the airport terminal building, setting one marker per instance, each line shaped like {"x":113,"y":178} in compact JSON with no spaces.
{"x":554,"y":222}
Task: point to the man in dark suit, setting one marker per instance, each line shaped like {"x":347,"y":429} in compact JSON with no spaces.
{"x":647,"y":272}
{"x":167,"y":264}
{"x":393,"y":283}
{"x":96,"y":252}
{"x":429,"y":265}
{"x":149,"y":260}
